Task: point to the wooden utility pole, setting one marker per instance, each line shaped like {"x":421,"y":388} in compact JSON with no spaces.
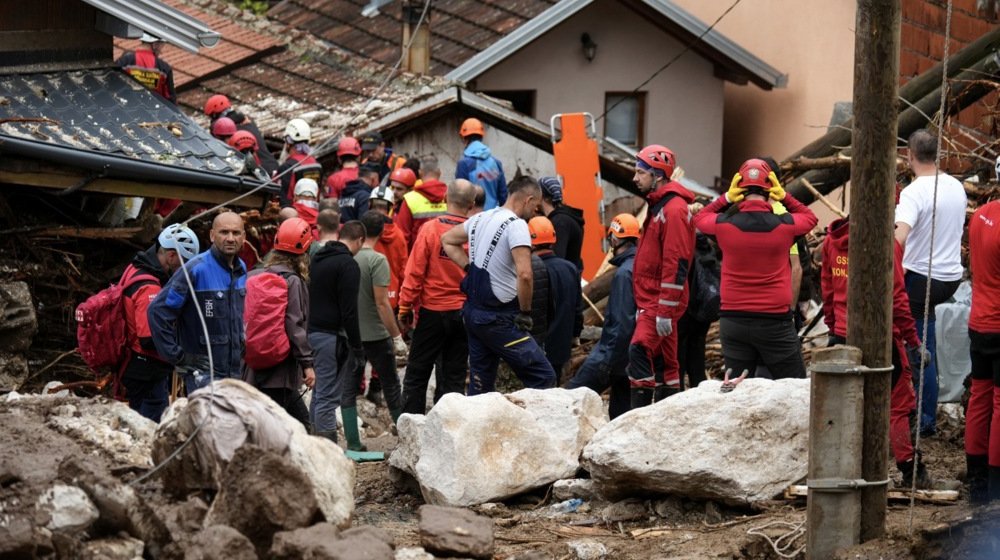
{"x":873,"y":169}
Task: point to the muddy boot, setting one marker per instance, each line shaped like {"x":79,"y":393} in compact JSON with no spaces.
{"x":977,"y":468}
{"x":664,"y":391}
{"x":641,"y":397}
{"x":350,"y":416}
{"x":994,"y":483}
{"x":375,"y":392}
{"x":395,"y":415}
{"x":924,"y":479}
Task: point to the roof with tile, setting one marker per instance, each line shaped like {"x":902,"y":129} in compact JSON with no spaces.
{"x":459,"y":28}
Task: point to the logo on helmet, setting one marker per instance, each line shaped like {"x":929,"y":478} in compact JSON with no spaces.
{"x":753,"y":174}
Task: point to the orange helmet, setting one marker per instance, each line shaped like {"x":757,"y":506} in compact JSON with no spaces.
{"x":243,"y":140}
{"x":658,"y":159}
{"x":294,"y":236}
{"x":404,"y":175}
{"x":542,"y":231}
{"x":754,"y":173}
{"x":217,"y":104}
{"x":348,"y":146}
{"x":472,"y":126}
{"x":624,"y":226}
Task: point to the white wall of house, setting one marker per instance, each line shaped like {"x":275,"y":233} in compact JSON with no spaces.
{"x":684,"y":104}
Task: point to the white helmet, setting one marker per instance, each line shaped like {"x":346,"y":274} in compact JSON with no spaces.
{"x":298,"y":130}
{"x":181,"y":239}
{"x":306,"y":185}
{"x":383,"y":192}
{"x":148,"y":38}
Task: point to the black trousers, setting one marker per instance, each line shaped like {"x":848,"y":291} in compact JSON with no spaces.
{"x":383,"y":359}
{"x":439,"y":338}
{"x":691,"y":350}
{"x":291,"y":401}
{"x":750,"y":341}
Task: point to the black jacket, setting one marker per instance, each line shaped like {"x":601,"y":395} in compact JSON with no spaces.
{"x":334,"y":281}
{"x":568,"y":223}
{"x":539,"y":300}
{"x":267,"y":159}
{"x":354,"y":200}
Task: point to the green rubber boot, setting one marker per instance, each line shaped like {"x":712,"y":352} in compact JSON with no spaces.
{"x":350,"y":416}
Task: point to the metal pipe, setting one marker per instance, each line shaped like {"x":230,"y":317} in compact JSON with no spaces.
{"x":836,"y":409}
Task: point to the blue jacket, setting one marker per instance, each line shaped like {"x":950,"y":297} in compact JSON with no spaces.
{"x":480,"y":167}
{"x":611,"y":352}
{"x":219,"y":291}
{"x":564,"y":304}
{"x":354,"y":201}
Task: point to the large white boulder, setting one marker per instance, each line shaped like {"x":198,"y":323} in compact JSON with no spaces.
{"x":739,"y":447}
{"x":472,"y":450}
{"x":236,"y":414}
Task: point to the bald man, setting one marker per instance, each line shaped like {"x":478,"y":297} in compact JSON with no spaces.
{"x":217,"y":284}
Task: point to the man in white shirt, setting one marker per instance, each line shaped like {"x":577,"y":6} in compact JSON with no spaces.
{"x":498,"y":286}
{"x":944,"y":271}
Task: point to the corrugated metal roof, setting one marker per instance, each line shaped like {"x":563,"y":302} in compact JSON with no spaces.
{"x":156,"y":18}
{"x":757,"y":70}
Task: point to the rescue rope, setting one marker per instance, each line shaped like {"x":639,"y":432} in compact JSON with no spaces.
{"x":784,"y":543}
{"x":930,"y":260}
{"x":187,"y":275}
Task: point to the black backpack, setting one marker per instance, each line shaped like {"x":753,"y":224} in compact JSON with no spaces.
{"x":705,"y":281}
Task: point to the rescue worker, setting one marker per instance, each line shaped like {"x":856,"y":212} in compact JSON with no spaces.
{"x":146,"y":377}
{"x":296,"y":160}
{"x":756,"y":322}
{"x":567,"y":221}
{"x":335,"y":280}
{"x":479,"y":166}
{"x":391,"y":243}
{"x":424,"y":203}
{"x":498,"y":289}
{"x":433,"y":282}
{"x":218,"y":106}
{"x":540,"y":298}
{"x":223,"y":129}
{"x":245,"y":142}
{"x":218,"y":277}
{"x":354,"y":200}
{"x":327,"y":229}
{"x":605,"y":366}
{"x":564,"y":289}
{"x":913,"y":231}
{"x":379,"y":333}
{"x":663,"y":258}
{"x":834,"y":283}
{"x":146,"y":67}
{"x":306,"y":202}
{"x":401,"y":181}
{"x":283,"y":382}
{"x":375,"y":156}
{"x":348,"y":152}
{"x":982,"y":419}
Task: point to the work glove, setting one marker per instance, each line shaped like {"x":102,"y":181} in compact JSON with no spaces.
{"x":399,"y":345}
{"x":405,"y":318}
{"x":916,"y":355}
{"x":664,"y":326}
{"x":523,"y":321}
{"x":195,"y":363}
{"x":777,"y":191}
{"x":735,"y":193}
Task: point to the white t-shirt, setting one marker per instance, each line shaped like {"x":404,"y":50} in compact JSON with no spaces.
{"x":481,"y":229}
{"x":914,"y":209}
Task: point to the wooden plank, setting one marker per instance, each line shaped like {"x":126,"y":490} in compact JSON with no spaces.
{"x":943,"y":497}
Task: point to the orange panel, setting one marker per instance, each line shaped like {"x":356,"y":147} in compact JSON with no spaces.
{"x":577,"y":163}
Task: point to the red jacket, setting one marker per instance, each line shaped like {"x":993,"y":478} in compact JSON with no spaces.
{"x":984,"y":263}
{"x":393,"y":246}
{"x":756,"y":273}
{"x":663,"y":257}
{"x":419,"y":206}
{"x":336,"y":182}
{"x":432,"y":279}
{"x":136,"y":299}
{"x":834,"y":279}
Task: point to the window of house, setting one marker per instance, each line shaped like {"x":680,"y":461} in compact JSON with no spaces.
{"x":626,"y":115}
{"x":523,"y":100}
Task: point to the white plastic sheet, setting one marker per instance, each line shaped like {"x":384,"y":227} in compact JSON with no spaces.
{"x":952,"y":330}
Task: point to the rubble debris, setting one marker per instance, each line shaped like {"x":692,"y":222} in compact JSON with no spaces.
{"x":114,"y":548}
{"x":325,"y":542}
{"x":586,"y":549}
{"x":215,"y":541}
{"x":413,"y":553}
{"x":477,"y":449}
{"x":260,"y":494}
{"x":581,"y":488}
{"x":67,"y":508}
{"x":405,"y":456}
{"x":455,"y":532}
{"x":124,"y":434}
{"x":709,"y":445}
{"x":624,"y":510}
{"x":18,"y":324}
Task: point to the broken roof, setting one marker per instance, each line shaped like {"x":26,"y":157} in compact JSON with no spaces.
{"x":105,"y":121}
{"x":459,"y":28}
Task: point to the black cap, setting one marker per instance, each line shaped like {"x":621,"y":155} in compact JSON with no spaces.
{"x":371,"y":140}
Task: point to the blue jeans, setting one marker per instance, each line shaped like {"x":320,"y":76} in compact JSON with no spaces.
{"x":329,"y":382}
{"x":928,"y":410}
{"x":492,"y":336}
{"x":147,"y":397}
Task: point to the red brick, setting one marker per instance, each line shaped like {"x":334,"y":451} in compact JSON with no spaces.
{"x":915,"y":39}
{"x":908,"y":65}
{"x":924,"y":64}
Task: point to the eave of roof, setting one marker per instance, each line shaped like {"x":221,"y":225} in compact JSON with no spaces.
{"x":739,"y":58}
{"x":156,"y":18}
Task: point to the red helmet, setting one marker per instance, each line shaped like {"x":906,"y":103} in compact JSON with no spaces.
{"x":217,"y":104}
{"x":659,"y":158}
{"x":348,"y":146}
{"x":753,"y":173}
{"x":243,"y":140}
{"x":223,"y":127}
{"x":404,"y":175}
{"x":294,"y":236}
{"x":542,"y":231}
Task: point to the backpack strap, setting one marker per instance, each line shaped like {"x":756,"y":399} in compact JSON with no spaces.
{"x":660,"y":204}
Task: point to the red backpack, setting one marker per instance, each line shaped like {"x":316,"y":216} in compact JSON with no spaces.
{"x":100,"y":325}
{"x":267,"y":343}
